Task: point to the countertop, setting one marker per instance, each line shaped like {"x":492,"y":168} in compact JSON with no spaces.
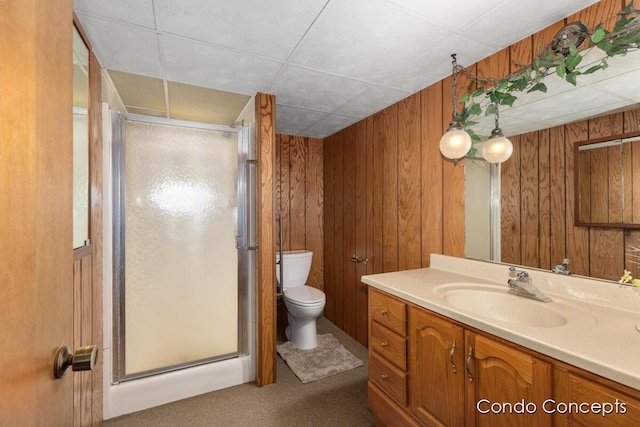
{"x":599,"y":336}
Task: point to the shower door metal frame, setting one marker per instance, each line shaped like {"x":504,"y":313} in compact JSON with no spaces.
{"x":244,"y":245}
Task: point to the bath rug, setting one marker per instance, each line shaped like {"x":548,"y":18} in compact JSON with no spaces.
{"x":328,"y":358}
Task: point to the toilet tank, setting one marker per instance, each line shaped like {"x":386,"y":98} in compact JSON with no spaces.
{"x":296,"y":267}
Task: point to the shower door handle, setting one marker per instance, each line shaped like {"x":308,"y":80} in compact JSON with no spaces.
{"x":248,"y":165}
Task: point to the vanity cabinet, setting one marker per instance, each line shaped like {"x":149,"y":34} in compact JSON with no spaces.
{"x":450,"y":366}
{"x":427,"y":369}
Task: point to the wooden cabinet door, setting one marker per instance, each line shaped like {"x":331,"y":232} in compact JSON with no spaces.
{"x":507,"y":384}
{"x":436,"y":369}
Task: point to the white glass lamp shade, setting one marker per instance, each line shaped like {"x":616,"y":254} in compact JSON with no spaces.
{"x":455,"y":143}
{"x":497,"y":149}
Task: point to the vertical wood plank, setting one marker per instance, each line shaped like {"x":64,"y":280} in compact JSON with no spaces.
{"x":329,"y":224}
{"x":584,"y":192}
{"x":297,"y":192}
{"x":431,"y":171}
{"x":285,"y":192}
{"x":615,"y":178}
{"x":510,"y":234}
{"x":349,"y":233}
{"x":266,"y":301}
{"x":452,"y":184}
{"x":378,"y":201}
{"x":577,"y":238}
{"x":606,"y":244}
{"x":627,"y":183}
{"x":409,"y":200}
{"x":314,"y":226}
{"x":389,"y":142}
{"x":529,"y":190}
{"x":544,"y":198}
{"x":338,"y":250}
{"x":361,"y":211}
{"x":558,"y":194}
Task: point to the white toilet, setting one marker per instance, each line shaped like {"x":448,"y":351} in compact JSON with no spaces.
{"x":304,"y":303}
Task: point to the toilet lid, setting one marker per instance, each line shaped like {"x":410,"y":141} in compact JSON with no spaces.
{"x":304,"y":295}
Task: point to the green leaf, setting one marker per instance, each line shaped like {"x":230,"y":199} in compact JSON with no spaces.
{"x":598,"y":36}
{"x":475,"y":109}
{"x":491,"y":109}
{"x":472,"y":134}
{"x":561,"y":70}
{"x":508,"y":100}
{"x":538,"y":87}
{"x":465,"y":98}
{"x":572,"y":61}
{"x":520,"y":84}
{"x":571,"y":78}
{"x":593,"y":69}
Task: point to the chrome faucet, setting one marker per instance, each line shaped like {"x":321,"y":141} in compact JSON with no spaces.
{"x":562,"y":268}
{"x":520,"y":284}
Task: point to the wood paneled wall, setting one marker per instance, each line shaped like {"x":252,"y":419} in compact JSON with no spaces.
{"x":299,"y":197}
{"x":538,"y":203}
{"x":391,"y":198}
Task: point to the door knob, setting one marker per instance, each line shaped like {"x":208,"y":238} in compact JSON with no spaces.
{"x":84,"y":359}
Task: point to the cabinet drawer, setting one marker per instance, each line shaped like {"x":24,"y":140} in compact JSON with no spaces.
{"x":388,"y":311}
{"x":389,"y":344}
{"x":387,"y":410}
{"x":389,"y":378}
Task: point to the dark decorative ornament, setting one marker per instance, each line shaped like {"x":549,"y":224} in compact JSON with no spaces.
{"x":571,"y":34}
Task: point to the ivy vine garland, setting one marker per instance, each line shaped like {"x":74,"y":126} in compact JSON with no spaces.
{"x":562,"y":59}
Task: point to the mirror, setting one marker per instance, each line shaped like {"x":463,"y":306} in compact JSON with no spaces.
{"x":538,"y":226}
{"x":80,"y":141}
{"x":606,"y":183}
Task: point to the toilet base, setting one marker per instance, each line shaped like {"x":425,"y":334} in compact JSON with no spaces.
{"x":302,"y":333}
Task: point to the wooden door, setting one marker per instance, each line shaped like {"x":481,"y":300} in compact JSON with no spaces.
{"x":36,"y":258}
{"x":436,"y":366}
{"x":505,"y":386}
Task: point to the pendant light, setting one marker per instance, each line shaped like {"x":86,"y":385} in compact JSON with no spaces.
{"x":498,"y":148}
{"x":455,"y":143}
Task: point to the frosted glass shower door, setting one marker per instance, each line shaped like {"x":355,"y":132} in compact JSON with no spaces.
{"x":180,"y":256}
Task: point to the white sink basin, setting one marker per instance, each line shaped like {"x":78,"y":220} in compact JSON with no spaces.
{"x":492,"y":302}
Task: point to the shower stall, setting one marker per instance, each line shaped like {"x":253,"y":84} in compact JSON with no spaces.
{"x":183,"y":248}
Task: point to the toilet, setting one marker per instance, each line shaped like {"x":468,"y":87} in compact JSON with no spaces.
{"x":304,"y":303}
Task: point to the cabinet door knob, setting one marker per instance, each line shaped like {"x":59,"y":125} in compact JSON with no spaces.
{"x":383,"y":312}
{"x":383,"y":377}
{"x":383,"y":344}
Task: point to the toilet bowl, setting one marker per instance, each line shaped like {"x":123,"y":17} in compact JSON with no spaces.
{"x":304,"y":303}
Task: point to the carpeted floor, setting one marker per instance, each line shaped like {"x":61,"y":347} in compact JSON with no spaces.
{"x":339,"y":400}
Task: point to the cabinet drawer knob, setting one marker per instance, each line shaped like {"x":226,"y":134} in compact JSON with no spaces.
{"x":383,"y":312}
{"x":383,"y":377}
{"x":384,"y":344}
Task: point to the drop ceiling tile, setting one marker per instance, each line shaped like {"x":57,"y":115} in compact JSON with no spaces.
{"x":331,"y":124}
{"x":205,"y":65}
{"x":123,"y":47}
{"x":271,"y":29}
{"x":512,"y":20}
{"x":448,"y":14}
{"x":295,"y":121}
{"x":299,"y":87}
{"x":617,"y":65}
{"x":372,"y":100}
{"x":365,"y":40}
{"x":139,"y":12}
{"x":434,"y":63}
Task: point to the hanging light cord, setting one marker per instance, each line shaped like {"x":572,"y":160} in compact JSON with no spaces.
{"x":454,"y":88}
